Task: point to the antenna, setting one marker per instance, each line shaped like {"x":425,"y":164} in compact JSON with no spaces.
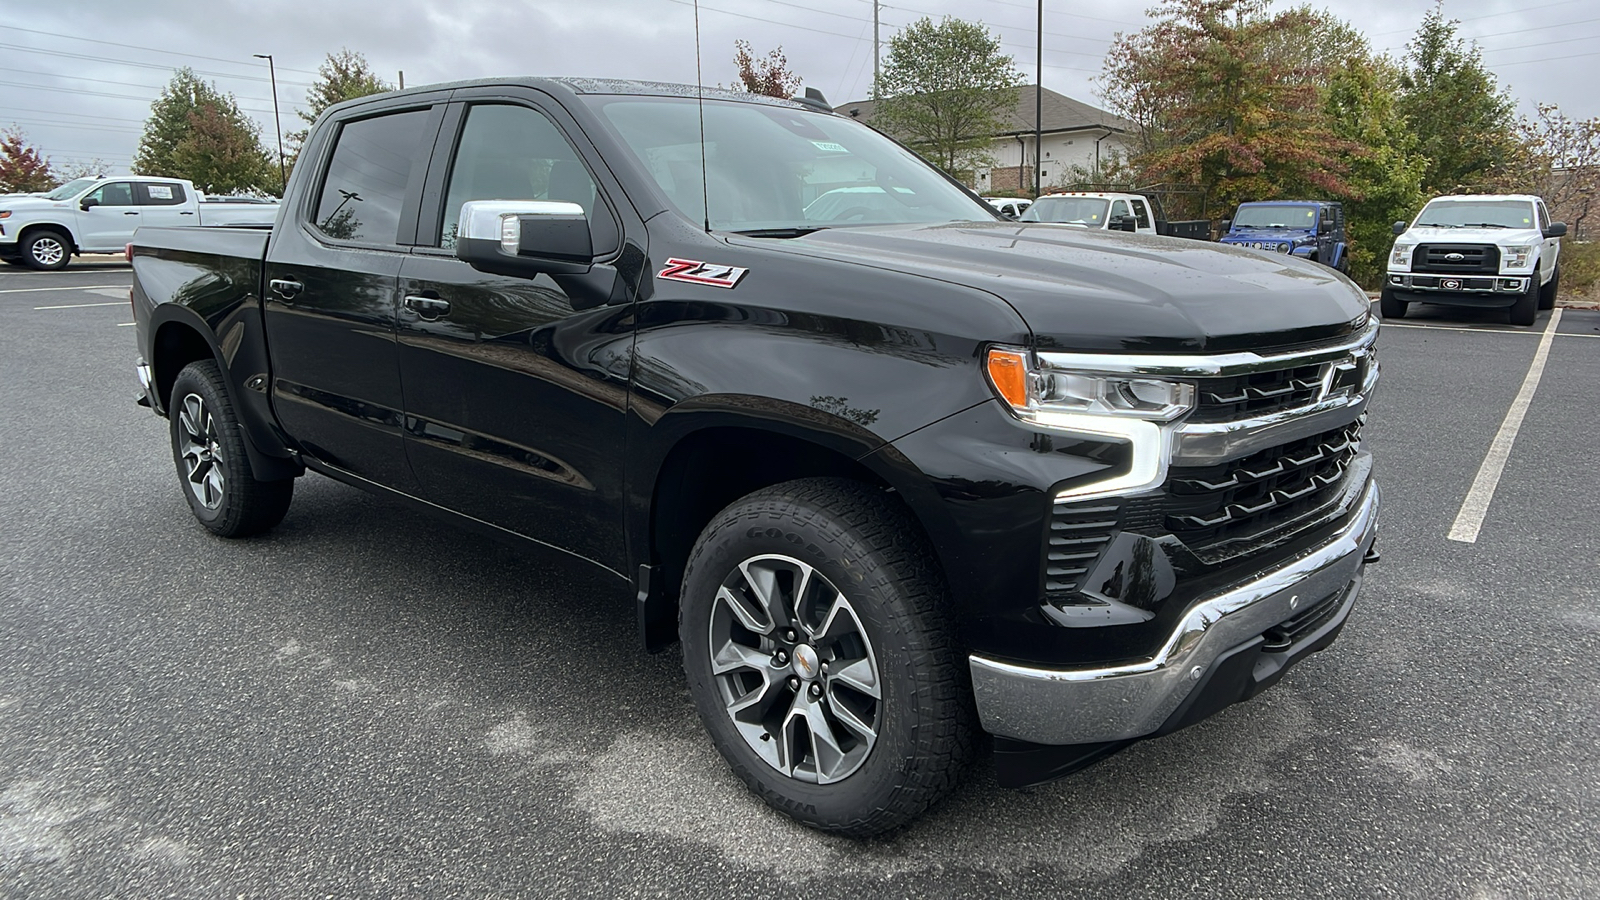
{"x":700,"y":96}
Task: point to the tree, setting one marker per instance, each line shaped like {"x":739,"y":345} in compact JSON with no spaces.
{"x":22,"y":169}
{"x":93,"y":168}
{"x":1566,"y":153}
{"x":1230,"y":97}
{"x":945,"y":90}
{"x":1463,"y":121}
{"x":343,"y":76}
{"x":769,"y":76}
{"x":197,"y":132}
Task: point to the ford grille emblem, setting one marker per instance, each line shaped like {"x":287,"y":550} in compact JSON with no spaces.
{"x":1455,"y":257}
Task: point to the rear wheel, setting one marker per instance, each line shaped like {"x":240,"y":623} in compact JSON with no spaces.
{"x":1391,"y":306}
{"x":1526,"y":309}
{"x":46,"y":250}
{"x":208,"y":449}
{"x":818,"y":652}
{"x":1547,"y":294}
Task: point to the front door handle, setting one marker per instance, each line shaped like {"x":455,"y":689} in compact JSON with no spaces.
{"x":131,"y":212}
{"x":285,"y":287}
{"x":429,"y":308}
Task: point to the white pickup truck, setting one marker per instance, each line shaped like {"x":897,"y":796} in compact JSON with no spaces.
{"x":100,"y":215}
{"x":1483,"y":251}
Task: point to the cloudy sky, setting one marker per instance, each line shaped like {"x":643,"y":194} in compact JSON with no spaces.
{"x":78,"y":77}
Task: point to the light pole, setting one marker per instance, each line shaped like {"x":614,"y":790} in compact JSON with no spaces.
{"x":277,"y":123}
{"x":1038,"y":105}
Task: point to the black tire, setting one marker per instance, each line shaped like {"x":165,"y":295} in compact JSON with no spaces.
{"x":1547,"y":294}
{"x":888,"y":588}
{"x":1391,"y":306}
{"x":46,"y":250}
{"x":213,"y":469}
{"x":1526,"y":309}
{"x":11,"y":260}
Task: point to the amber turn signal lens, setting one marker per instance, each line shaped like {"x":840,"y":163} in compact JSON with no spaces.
{"x":1008,"y":372}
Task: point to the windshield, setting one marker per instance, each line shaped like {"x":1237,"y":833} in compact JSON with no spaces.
{"x":1478,"y":214}
{"x":1276,"y":217}
{"x":1090,"y":211}
{"x":70,"y":189}
{"x":776,"y":168}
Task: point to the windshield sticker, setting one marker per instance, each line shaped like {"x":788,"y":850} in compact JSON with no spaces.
{"x":159,"y":191}
{"x":829,"y":147}
{"x":696,"y":272}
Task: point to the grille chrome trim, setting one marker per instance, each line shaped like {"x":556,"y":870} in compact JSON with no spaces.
{"x":1243,"y":363}
{"x":1208,"y":443}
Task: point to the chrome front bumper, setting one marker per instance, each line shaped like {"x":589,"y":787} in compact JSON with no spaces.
{"x":1083,"y":706}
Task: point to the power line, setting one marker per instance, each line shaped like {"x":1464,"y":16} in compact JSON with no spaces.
{"x":1541,"y":44}
{"x":55,"y":112}
{"x":1513,"y":12}
{"x":153,"y":87}
{"x":79,"y":91}
{"x":73,"y":37}
{"x":143,"y":65}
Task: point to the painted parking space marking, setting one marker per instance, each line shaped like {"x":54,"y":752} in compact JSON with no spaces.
{"x":1476,"y":505}
{"x":76,"y":287}
{"x":84,"y":305}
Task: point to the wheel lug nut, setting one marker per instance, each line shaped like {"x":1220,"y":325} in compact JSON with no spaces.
{"x":824,"y":667}
{"x":781,"y":658}
{"x":816,"y":691}
{"x":794,"y":683}
{"x":789,"y":635}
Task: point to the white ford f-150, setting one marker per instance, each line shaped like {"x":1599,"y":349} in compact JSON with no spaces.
{"x":100,"y":215}
{"x":1483,"y":251}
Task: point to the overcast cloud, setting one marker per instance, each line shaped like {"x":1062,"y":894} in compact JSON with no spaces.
{"x":79,"y":77}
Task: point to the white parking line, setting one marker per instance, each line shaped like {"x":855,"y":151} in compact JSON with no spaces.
{"x":84,"y":305}
{"x":1476,"y":506}
{"x":78,"y":287}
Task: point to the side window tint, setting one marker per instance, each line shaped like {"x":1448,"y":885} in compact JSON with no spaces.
{"x":1141,"y":214}
{"x":516,"y":153}
{"x":365,"y":185}
{"x":154,"y":194}
{"x":117,"y":193}
{"x":1119,"y":208}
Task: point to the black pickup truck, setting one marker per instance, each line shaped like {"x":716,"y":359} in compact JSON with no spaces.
{"x":895,"y":471}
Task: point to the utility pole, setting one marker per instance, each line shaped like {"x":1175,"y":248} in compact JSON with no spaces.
{"x":277,"y":122}
{"x":1038,"y":105}
{"x":875,"y":52}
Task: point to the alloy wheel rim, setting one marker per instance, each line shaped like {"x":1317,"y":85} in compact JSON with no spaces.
{"x":795,"y":670}
{"x":200,"y":448}
{"x":47,"y":251}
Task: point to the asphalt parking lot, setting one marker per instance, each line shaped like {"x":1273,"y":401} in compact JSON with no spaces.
{"x":368,"y":703}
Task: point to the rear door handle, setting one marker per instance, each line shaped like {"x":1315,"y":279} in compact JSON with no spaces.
{"x":427,"y":307}
{"x":285,"y":287}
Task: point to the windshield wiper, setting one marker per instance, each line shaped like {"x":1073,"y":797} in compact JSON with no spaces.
{"x":791,"y":232}
{"x":1435,"y":225}
{"x":1484,"y":225}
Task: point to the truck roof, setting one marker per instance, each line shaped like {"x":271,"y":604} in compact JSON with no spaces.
{"x":1526,"y":197}
{"x":606,"y":86}
{"x":1103,"y":195}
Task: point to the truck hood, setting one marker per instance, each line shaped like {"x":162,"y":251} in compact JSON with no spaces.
{"x":1267,"y":234}
{"x":24,"y":202}
{"x":1113,"y":291}
{"x":1500,"y":237}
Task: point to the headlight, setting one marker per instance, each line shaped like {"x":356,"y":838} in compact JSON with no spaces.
{"x":1128,"y":409}
{"x":1043,"y":394}
{"x":1517,"y":257}
{"x":1400,"y":257}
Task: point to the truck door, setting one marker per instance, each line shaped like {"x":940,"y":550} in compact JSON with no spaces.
{"x":515,"y":400}
{"x":1141,"y":215}
{"x":163,"y":204}
{"x":332,"y":269}
{"x":111,"y":219}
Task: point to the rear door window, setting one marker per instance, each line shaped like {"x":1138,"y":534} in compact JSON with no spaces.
{"x":364,"y":188}
{"x":1140,"y":213}
{"x":158,"y":194}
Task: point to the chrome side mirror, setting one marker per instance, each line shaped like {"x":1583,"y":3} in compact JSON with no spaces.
{"x":524,"y":237}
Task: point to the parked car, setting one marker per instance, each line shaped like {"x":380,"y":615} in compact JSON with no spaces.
{"x":1309,"y":229}
{"x":1479,"y":251}
{"x":1010,"y":207}
{"x":1103,"y":211}
{"x":100,"y":215}
{"x":888,"y":483}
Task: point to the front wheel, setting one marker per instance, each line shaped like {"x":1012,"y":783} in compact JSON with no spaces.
{"x":1547,"y":294}
{"x":208,"y":448}
{"x":1391,"y":306}
{"x":46,"y":251}
{"x":1526,"y":309}
{"x":819,"y":655}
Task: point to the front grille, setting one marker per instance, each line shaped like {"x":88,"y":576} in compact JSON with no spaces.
{"x":1258,"y":393}
{"x":1469,"y":259}
{"x":1223,"y":511}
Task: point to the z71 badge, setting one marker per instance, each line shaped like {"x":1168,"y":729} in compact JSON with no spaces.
{"x":697,"y":272}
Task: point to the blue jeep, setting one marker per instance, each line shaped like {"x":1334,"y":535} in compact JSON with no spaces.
{"x":1310,"y":229}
